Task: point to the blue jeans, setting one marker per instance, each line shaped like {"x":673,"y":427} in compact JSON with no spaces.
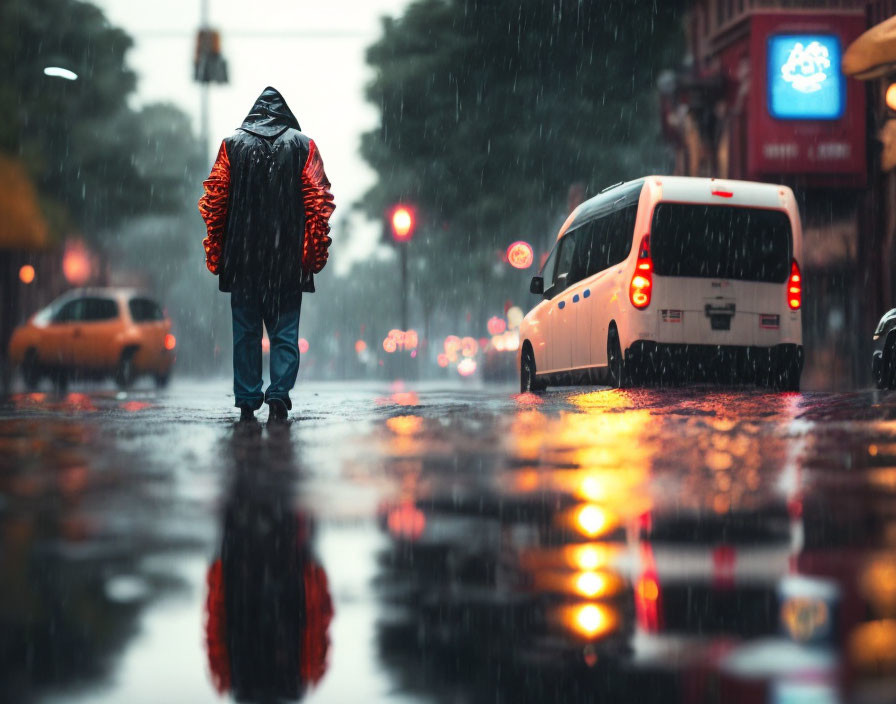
{"x":282,"y":323}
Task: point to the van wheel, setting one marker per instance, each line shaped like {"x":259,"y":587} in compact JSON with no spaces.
{"x":879,"y":370}
{"x":888,"y":364}
{"x":31,"y":371}
{"x":615,"y":363}
{"x":124,"y":372}
{"x":528,"y":380}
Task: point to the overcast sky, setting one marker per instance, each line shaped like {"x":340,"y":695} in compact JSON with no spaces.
{"x":312,"y":52}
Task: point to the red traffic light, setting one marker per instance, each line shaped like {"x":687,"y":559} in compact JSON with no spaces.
{"x":403,"y":222}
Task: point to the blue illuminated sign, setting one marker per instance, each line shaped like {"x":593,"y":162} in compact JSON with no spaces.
{"x":804,"y":77}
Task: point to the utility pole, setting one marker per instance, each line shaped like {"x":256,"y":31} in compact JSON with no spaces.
{"x":204,"y":135}
{"x":209,"y":66}
{"x":403,"y":249}
{"x":403,"y":223}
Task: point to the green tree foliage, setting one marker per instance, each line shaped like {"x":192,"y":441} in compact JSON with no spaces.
{"x":490,"y":110}
{"x":93,"y":159}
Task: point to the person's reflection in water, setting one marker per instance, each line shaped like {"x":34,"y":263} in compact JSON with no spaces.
{"x":268,"y":605}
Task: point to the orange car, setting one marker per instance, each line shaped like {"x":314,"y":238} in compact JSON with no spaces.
{"x":94,"y":332}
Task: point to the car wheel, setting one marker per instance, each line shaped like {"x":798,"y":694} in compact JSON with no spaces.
{"x":124,"y":372}
{"x":31,"y":371}
{"x":528,"y":380}
{"x":615,"y":363}
{"x":162,"y":380}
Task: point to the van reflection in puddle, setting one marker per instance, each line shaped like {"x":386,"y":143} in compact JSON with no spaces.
{"x":268,"y":607}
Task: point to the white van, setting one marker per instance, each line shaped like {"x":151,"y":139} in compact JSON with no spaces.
{"x":671,"y":277}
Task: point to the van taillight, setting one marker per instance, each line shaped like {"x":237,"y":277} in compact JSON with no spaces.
{"x":642,"y":279}
{"x":795,"y":287}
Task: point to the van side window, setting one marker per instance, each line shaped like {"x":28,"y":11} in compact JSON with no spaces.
{"x":566,"y":259}
{"x":622,"y":227}
{"x":595,"y":245}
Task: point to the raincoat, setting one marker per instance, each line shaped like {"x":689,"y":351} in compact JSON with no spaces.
{"x":267,"y":205}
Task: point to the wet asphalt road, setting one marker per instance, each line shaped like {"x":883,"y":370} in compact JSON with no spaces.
{"x":473,"y":544}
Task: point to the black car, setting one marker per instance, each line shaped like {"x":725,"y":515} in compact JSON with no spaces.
{"x":883,"y":357}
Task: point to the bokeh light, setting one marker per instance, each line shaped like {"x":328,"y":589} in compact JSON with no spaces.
{"x":76,"y":264}
{"x":466,"y":367}
{"x":26,"y":274}
{"x":496,"y":325}
{"x":520,"y":255}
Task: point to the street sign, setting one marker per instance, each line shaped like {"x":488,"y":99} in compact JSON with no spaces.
{"x":803,"y":117}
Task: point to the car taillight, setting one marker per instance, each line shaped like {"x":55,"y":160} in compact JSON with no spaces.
{"x":642,"y":279}
{"x":794,"y":287}
{"x":170,"y":342}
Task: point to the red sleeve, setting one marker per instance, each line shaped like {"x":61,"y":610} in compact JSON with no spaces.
{"x":213,"y":208}
{"x":318,"y":208}
{"x":318,"y":614}
{"x":216,"y":629}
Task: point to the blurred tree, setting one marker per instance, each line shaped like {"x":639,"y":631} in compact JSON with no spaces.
{"x":85,"y":150}
{"x":126,"y":180}
{"x":491,"y":110}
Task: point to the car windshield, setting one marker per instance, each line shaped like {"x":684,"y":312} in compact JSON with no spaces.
{"x":719,"y":241}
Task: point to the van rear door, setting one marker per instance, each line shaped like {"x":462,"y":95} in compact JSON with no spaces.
{"x":721,"y":272}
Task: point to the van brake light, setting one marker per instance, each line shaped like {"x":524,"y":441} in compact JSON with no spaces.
{"x":723,"y":194}
{"x":642,"y":280}
{"x":794,"y":287}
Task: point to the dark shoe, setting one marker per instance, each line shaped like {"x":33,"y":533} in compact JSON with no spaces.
{"x":247,"y":415}
{"x":277,"y":410}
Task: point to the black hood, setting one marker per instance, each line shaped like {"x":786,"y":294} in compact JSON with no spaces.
{"x":270,"y":116}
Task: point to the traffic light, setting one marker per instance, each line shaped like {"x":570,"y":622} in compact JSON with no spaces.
{"x":402,"y":220}
{"x":209,"y":66}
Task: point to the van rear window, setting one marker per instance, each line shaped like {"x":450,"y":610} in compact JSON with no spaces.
{"x":721,"y":241}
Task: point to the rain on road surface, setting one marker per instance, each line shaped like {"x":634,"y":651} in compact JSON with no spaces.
{"x":687,"y":544}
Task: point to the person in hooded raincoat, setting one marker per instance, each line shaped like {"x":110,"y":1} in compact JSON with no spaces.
{"x":266,"y":207}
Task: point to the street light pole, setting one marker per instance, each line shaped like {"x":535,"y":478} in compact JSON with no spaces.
{"x":403,"y":249}
{"x":403,"y":224}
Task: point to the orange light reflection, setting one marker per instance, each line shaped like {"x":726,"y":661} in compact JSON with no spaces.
{"x":590,"y":620}
{"x":405,"y":425}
